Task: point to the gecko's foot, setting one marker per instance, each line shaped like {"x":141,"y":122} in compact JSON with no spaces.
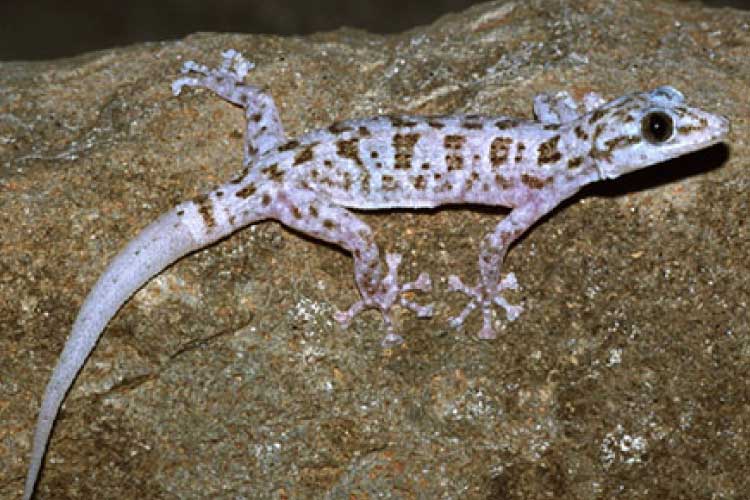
{"x":482,"y":296}
{"x":390,"y":293}
{"x":223,"y":80}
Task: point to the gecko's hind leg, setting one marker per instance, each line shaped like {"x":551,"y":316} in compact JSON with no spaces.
{"x":302,"y":210}
{"x":264,"y":130}
{"x":388,"y":293}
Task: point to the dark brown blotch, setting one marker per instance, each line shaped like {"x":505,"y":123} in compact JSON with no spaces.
{"x":388,"y":183}
{"x":548,"y":152}
{"x":453,"y":144}
{"x":580,"y":133}
{"x":240,"y":177}
{"x":339,"y":128}
{"x":288,"y":146}
{"x":400,"y":121}
{"x":499,"y":150}
{"x":205,"y":208}
{"x":273,"y":172}
{"x":472,"y":125}
{"x":574,"y":163}
{"x":534,"y":182}
{"x":364,"y":131}
{"x":403,"y":147}
{"x":597,"y":115}
{"x":246,"y":191}
{"x":305,"y":154}
{"x":506,"y":123}
{"x":503,"y":182}
{"x":349,"y":149}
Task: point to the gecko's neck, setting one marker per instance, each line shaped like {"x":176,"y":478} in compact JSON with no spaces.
{"x":577,"y":165}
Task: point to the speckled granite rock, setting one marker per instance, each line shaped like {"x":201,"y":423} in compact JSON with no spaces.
{"x":628,"y":374}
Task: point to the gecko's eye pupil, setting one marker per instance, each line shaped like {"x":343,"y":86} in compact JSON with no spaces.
{"x":657,"y":127}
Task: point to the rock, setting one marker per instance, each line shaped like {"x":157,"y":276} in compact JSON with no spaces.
{"x":225,"y":376}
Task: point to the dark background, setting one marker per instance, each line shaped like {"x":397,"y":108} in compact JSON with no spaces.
{"x":47,"y":29}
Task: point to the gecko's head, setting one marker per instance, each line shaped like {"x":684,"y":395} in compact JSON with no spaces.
{"x":642,"y":129}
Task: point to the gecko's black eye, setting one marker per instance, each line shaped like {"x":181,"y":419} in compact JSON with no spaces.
{"x":657,"y":127}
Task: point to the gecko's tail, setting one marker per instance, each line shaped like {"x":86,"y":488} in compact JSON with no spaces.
{"x":157,"y":246}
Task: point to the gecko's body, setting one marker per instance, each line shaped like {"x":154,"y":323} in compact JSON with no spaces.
{"x":310,"y":184}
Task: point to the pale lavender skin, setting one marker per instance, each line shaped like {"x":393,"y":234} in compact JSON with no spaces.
{"x":387,"y":162}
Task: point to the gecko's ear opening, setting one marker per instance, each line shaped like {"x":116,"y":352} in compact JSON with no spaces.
{"x":667,"y":94}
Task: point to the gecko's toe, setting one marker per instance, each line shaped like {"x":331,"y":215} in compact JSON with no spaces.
{"x":391,"y":339}
{"x":487,"y":333}
{"x":485,"y":296}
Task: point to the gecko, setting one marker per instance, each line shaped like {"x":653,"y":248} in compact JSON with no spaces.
{"x":311,"y":184}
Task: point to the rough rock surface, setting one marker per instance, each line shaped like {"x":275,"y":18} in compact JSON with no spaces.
{"x":628,"y":374}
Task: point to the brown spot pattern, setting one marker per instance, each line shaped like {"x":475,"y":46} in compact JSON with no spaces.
{"x":499,"y":150}
{"x":349,"y":149}
{"x":596,"y":116}
{"x":305,"y":154}
{"x":503,"y":182}
{"x":454,"y":159}
{"x":273,"y":172}
{"x":472,"y":125}
{"x":520,"y":148}
{"x":534,"y":182}
{"x":364,"y":131}
{"x":686,"y":129}
{"x":548,"y":152}
{"x":288,"y":146}
{"x":622,"y":141}
{"x":506,"y":123}
{"x":388,"y":183}
{"x":246,"y":191}
{"x":403,"y":146}
{"x":205,"y":208}
{"x":580,"y":133}
{"x":575,"y":162}
{"x":242,"y":175}
{"x":401,"y":121}
{"x":339,"y":127}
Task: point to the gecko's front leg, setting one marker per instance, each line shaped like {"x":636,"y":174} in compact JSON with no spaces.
{"x":489,"y":287}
